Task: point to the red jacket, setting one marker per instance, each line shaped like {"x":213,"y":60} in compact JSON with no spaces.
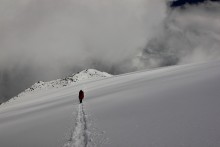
{"x":81,"y":94}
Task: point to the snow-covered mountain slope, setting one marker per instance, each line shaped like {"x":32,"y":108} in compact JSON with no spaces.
{"x":175,"y":107}
{"x":87,"y":74}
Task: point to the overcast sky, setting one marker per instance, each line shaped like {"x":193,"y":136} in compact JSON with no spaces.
{"x":49,"y":39}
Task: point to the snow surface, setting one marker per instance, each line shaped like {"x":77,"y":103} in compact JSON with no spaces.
{"x":79,"y":137}
{"x":169,"y":107}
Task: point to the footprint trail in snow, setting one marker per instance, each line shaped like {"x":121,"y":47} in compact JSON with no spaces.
{"x":79,"y":137}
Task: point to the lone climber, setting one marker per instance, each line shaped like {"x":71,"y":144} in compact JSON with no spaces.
{"x":81,"y":96}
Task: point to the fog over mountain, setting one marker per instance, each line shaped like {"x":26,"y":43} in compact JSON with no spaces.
{"x":49,"y":39}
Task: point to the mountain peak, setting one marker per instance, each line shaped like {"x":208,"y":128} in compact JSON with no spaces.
{"x":86,"y":74}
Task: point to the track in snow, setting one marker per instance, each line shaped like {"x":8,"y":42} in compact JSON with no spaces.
{"x":79,"y":137}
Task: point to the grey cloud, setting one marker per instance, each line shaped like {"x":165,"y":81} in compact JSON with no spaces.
{"x":188,"y":35}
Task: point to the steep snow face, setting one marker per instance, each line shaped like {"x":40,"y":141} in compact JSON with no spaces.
{"x":88,"y":74}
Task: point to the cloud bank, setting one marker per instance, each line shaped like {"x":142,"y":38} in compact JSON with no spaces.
{"x":190,"y":34}
{"x":48,"y":39}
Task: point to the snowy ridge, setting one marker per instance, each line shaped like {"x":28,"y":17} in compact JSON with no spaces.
{"x":67,"y":81}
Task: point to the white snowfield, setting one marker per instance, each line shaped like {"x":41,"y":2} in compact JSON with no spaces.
{"x":175,"y":106}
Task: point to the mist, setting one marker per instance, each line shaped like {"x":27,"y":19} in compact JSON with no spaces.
{"x":49,"y":39}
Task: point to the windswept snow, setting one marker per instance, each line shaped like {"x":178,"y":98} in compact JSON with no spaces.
{"x":174,"y":106}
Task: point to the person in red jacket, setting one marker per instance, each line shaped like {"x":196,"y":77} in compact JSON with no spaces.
{"x":81,"y":96}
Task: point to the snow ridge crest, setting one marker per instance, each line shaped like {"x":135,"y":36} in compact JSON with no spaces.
{"x":69,"y":80}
